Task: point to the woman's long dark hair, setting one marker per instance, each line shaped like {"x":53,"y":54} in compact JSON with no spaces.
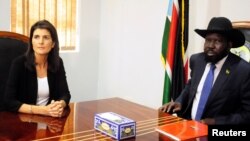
{"x":53,"y":56}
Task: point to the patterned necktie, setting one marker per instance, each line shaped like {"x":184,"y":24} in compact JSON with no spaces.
{"x":208,"y":84}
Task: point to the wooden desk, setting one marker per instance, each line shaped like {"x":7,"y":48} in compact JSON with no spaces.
{"x":79,"y":123}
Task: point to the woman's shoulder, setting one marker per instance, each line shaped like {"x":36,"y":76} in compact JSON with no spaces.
{"x":61,"y":64}
{"x":19,"y":59}
{"x":18,"y":63}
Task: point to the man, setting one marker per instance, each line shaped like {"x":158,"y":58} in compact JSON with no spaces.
{"x":228,"y":101}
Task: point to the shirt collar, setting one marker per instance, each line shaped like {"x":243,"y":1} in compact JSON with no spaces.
{"x":221,"y":62}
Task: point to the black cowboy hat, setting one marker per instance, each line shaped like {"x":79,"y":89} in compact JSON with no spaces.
{"x":223,"y":26}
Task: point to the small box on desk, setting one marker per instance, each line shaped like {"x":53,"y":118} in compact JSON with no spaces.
{"x":115,"y":125}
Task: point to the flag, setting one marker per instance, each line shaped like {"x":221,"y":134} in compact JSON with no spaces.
{"x":174,"y":46}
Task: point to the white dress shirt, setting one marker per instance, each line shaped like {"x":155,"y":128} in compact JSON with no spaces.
{"x":200,"y":86}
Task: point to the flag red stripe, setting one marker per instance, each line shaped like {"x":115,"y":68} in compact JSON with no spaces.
{"x":186,"y":71}
{"x":172,"y":37}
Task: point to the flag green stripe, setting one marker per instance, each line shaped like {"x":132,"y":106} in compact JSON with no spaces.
{"x":166,"y":90}
{"x":165,"y":39}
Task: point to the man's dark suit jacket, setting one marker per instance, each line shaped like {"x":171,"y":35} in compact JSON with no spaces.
{"x":229,"y":100}
{"x":22,"y":85}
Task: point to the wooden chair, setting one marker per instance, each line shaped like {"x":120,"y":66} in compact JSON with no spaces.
{"x":243,"y":51}
{"x":11,"y":45}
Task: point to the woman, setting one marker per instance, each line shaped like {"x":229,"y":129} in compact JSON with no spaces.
{"x":37,"y":82}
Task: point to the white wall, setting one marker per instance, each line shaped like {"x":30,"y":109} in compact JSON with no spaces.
{"x":120,"y":45}
{"x":82,"y":67}
{"x":129,"y":63}
{"x":5,"y":15}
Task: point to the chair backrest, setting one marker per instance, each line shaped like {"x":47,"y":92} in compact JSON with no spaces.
{"x":243,"y":51}
{"x":11,"y":45}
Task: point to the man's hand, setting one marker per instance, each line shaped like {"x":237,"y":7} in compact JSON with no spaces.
{"x":171,"y":107}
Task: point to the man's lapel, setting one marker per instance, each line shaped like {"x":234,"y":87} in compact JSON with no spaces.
{"x":220,"y":82}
